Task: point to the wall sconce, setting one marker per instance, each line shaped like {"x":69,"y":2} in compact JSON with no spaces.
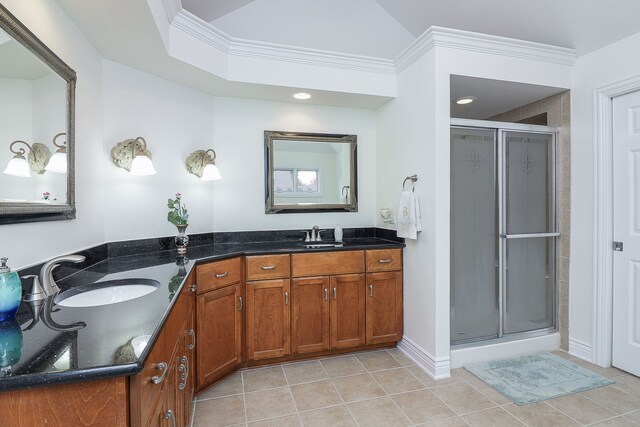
{"x":36,"y":160}
{"x":132,"y":155}
{"x":202,"y":164}
{"x":58,"y":162}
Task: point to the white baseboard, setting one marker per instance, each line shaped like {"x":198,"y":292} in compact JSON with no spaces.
{"x":581,"y":349}
{"x":437,"y":369}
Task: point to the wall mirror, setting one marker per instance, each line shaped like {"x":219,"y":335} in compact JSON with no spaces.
{"x":37,"y":104}
{"x":310,"y":172}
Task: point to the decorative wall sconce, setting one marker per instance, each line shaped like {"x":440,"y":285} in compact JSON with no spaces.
{"x":58,"y":162}
{"x":132,"y":155}
{"x":202,"y":164}
{"x":36,"y":160}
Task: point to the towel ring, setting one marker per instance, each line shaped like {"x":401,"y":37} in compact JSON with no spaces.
{"x":413,"y":178}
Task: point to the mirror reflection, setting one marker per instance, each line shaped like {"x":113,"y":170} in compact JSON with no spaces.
{"x":310,"y":172}
{"x":33,"y":108}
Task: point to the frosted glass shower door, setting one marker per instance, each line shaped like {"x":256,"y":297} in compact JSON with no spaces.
{"x":528,"y":230}
{"x":474,"y":220}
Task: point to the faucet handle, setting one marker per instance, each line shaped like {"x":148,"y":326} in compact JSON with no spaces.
{"x":307,"y":238}
{"x":318,"y":237}
{"x":37,"y":292}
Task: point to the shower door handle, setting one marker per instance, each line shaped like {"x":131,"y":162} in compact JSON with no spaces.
{"x":528,"y":235}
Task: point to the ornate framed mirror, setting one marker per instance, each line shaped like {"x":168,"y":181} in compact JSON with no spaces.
{"x":37,"y":138}
{"x":310,"y":172}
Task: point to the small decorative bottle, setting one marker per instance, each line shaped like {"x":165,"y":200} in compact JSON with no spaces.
{"x":10,"y":291}
{"x":337,"y":234}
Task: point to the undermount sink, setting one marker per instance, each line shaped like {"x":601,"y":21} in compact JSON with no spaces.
{"x":105,"y":293}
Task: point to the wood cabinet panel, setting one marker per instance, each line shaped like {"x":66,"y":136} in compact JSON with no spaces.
{"x":268,"y":267}
{"x":310,"y":330}
{"x":219,"y":333}
{"x":384,"y":260}
{"x":384,"y":307}
{"x":348,"y":310}
{"x":327,"y":263}
{"x":92,"y":403}
{"x":217,"y":274}
{"x":268,"y":319}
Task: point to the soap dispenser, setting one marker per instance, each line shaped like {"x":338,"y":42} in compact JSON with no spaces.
{"x":337,"y":234}
{"x":10,"y":291}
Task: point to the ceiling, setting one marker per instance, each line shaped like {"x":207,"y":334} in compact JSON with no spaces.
{"x":383,"y":28}
{"x":125,"y":31}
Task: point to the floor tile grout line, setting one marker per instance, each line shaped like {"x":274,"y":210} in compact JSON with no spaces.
{"x":338,"y":393}
{"x":244,"y":399}
{"x":480,"y":391}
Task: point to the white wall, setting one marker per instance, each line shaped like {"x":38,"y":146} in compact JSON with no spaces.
{"x":239,"y":142}
{"x":608,"y":65}
{"x":413,"y":137}
{"x":30,"y":243}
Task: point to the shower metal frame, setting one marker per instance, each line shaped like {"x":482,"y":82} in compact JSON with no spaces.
{"x":500,"y":129}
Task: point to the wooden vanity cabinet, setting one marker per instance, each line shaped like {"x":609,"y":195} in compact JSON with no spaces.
{"x":384,"y":303}
{"x":220,"y":320}
{"x":161,"y":393}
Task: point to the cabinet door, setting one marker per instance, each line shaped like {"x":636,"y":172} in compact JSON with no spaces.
{"x":268,"y":319}
{"x":384,"y":307}
{"x":348,"y":310}
{"x":310,"y":328}
{"x":219,"y":333}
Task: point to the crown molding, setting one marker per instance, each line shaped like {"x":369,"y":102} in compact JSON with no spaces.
{"x":172,"y":7}
{"x":483,"y":43}
{"x":232,"y":46}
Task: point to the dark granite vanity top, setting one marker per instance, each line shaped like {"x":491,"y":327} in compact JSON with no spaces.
{"x":50,"y":354}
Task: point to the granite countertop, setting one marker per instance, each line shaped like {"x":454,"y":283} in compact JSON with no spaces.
{"x":51,"y":354}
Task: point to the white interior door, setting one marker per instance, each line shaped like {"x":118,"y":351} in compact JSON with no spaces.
{"x":626,"y":230}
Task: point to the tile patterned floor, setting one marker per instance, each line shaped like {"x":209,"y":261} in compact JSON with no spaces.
{"x":385,"y":388}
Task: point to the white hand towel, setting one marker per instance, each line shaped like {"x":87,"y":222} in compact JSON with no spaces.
{"x":409,"y":220}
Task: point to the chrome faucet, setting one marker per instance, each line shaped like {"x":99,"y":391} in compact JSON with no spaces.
{"x":315,"y":234}
{"x":45,"y":277}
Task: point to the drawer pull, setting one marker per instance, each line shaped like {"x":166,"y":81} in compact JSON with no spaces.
{"x":184,"y":368}
{"x":221,"y":275}
{"x":286,"y":298}
{"x":157,"y":379}
{"x":326,"y":294}
{"x":268,"y":267}
{"x":335,"y":294}
{"x":169,"y":415}
{"x":192,"y":334}
{"x":240,"y":304}
{"x":384,"y":261}
{"x":371,"y":291}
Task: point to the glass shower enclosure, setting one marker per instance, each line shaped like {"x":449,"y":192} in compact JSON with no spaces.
{"x":503,"y":230}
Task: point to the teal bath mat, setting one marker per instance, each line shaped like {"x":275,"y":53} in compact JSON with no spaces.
{"x":536,"y":377}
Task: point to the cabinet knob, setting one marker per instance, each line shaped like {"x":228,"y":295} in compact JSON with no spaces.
{"x":193,"y":288}
{"x":157,"y":379}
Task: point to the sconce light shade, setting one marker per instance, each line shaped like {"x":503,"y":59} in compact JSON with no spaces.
{"x":36,"y":160}
{"x":141,"y":165}
{"x":133,"y":155}
{"x":58,"y":162}
{"x":202,"y":164}
{"x":211,"y":173}
{"x":18,"y":166}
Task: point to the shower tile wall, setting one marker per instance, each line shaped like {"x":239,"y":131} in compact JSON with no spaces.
{"x":557,"y":108}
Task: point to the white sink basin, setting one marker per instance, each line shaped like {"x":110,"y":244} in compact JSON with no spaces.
{"x":104,"y":293}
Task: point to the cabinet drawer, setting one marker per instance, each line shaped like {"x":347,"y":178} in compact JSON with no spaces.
{"x":327,"y":263}
{"x":267,"y":267}
{"x":218,"y":274}
{"x":384,"y":260}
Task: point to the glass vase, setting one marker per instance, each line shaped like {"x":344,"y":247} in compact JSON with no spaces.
{"x":182,"y":240}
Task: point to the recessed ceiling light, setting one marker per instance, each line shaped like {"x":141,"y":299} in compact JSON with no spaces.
{"x":465,"y":100}
{"x":302,"y":95}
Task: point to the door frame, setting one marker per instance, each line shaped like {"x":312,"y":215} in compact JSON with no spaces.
{"x":603,"y":215}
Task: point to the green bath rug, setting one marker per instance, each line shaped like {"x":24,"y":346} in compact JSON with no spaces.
{"x":536,"y":377}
